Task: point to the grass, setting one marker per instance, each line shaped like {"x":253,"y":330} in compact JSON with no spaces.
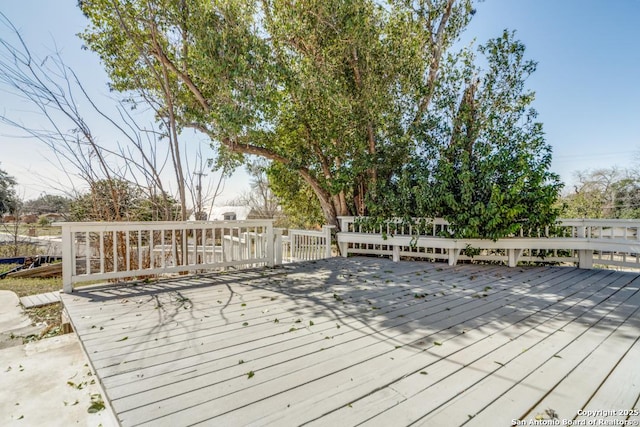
{"x":50,"y":314}
{"x":27,"y":286}
{"x":23,"y":229}
{"x":8,"y":250}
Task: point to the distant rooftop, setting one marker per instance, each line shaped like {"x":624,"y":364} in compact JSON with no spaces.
{"x":221,"y":213}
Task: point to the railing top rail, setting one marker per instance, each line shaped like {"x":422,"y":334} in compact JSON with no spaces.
{"x":559,"y":221}
{"x":396,"y":221}
{"x":399,"y":219}
{"x":600,"y":222}
{"x":319,"y":233}
{"x":161,"y":224}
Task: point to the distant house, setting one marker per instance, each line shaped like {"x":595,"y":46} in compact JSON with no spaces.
{"x":29,"y":218}
{"x":8,"y":218}
{"x":229,"y":213}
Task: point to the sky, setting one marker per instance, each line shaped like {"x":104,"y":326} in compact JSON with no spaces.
{"x":586,"y":83}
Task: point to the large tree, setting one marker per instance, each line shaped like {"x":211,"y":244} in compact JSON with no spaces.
{"x":331,"y":90}
{"x":344,"y":97}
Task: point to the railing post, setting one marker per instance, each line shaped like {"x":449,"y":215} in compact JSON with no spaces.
{"x":67,"y":259}
{"x":585,"y":256}
{"x":270,"y":245}
{"x":513,"y":256}
{"x":585,"y":259}
{"x":344,"y":222}
{"x":453,"y":256}
{"x":278,"y":248}
{"x":327,"y":235}
{"x":344,"y":247}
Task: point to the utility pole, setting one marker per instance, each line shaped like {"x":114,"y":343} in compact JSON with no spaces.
{"x":200,"y":214}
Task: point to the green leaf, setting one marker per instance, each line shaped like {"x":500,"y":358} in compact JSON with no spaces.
{"x":97,"y":404}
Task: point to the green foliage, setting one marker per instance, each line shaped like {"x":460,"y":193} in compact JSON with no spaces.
{"x":486,"y":169}
{"x":299,"y":204}
{"x":43,"y":221}
{"x":603,"y":193}
{"x":8,"y":198}
{"x":324,"y":89}
{"x":48,"y":203}
{"x":363,"y":108}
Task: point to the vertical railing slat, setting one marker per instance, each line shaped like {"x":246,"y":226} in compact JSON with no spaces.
{"x":152,"y":258}
{"x":87,"y":253}
{"x":174,"y":252}
{"x":140,"y":261}
{"x":185,"y":247}
{"x":102,"y":254}
{"x":163,"y":242}
{"x":115,"y":250}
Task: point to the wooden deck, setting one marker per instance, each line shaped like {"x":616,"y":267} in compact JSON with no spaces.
{"x":343,"y":342}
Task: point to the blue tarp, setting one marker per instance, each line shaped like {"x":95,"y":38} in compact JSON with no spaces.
{"x":16,"y":260}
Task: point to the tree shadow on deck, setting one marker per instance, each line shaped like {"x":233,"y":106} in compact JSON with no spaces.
{"x":408,"y":298}
{"x":333,"y":315}
{"x":412,"y":304}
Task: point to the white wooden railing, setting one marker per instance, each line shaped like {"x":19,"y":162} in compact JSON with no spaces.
{"x":114,"y":250}
{"x":307,"y":245}
{"x":582,"y":241}
{"x":106,"y":251}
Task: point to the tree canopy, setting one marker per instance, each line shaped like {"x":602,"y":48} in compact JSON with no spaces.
{"x":120,"y":200}
{"x":604,"y":193}
{"x":367,"y":105}
{"x":48,"y":203}
{"x":7,"y":193}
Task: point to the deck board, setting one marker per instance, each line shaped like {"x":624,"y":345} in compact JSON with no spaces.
{"x":457,"y":369}
{"x":610,"y":394}
{"x":362,"y":340}
{"x":39,"y":300}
